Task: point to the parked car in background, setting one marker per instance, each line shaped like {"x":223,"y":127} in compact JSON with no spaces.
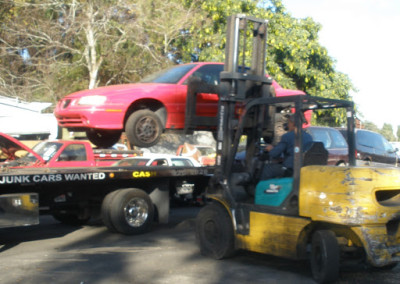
{"x":372,"y":149}
{"x":143,"y":110}
{"x":153,"y":160}
{"x":396,"y":146}
{"x":27,"y":120}
{"x":333,"y":141}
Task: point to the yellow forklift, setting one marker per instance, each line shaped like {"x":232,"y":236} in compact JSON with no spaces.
{"x":329,"y":215}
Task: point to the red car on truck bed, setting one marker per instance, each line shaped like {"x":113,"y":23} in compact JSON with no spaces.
{"x":56,"y":154}
{"x":143,"y":110}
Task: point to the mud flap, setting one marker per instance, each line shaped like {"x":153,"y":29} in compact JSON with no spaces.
{"x":160,"y":198}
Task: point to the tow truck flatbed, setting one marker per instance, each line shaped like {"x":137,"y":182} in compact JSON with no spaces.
{"x":73,"y":195}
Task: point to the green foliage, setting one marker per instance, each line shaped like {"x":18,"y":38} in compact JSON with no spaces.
{"x":370,"y":126}
{"x":398,"y":133}
{"x":295,"y":58}
{"x":387,"y":132}
{"x":135,"y":38}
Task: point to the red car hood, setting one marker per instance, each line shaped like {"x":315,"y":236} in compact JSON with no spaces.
{"x":9,"y":146}
{"x":119,"y":89}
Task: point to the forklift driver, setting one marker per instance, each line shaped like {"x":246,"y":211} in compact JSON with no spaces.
{"x":284,"y":149}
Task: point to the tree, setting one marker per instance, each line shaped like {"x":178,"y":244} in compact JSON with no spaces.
{"x":368,"y":125}
{"x":51,"y":48}
{"x":295,"y":58}
{"x":44,"y":39}
{"x":387,"y":132}
{"x":73,"y":45}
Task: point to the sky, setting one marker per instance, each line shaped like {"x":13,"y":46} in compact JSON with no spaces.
{"x":363,"y":37}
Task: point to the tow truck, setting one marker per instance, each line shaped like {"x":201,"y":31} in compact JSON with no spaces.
{"x":129,"y":199}
{"x":328,"y":215}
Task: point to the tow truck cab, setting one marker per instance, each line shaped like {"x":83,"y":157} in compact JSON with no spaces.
{"x":57,"y":154}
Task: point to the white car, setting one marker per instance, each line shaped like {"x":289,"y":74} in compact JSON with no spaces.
{"x":25,"y":120}
{"x":158,"y":160}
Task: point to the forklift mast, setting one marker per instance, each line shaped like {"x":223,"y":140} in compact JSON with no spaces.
{"x":240,"y":84}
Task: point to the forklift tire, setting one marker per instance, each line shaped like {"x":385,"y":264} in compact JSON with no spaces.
{"x":105,"y":211}
{"x":131,"y":211}
{"x":325,"y":256}
{"x":214,"y":232}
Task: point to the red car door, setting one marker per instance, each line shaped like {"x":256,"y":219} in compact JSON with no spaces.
{"x":207,"y":103}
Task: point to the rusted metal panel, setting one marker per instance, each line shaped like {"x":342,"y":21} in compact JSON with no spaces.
{"x":381,"y":249}
{"x":350,"y":196}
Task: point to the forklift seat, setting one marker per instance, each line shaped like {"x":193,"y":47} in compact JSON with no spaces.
{"x":316,"y":155}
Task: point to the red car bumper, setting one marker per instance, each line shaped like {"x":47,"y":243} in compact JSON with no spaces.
{"x":84,"y":117}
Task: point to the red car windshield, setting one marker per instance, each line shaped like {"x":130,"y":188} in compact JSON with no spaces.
{"x":46,"y":149}
{"x":169,"y":76}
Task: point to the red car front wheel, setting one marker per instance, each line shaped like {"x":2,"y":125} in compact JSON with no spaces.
{"x":143,"y":128}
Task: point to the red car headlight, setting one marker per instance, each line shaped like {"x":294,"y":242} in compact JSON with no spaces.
{"x":92,"y":100}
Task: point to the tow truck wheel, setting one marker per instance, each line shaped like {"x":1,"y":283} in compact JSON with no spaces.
{"x":214,"y":232}
{"x":131,"y":211}
{"x":103,"y":138}
{"x":143,"y":128}
{"x":325,"y":256}
{"x":105,"y":210}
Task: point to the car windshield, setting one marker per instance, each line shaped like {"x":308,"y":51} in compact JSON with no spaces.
{"x":169,"y":76}
{"x":46,"y":150}
{"x":331,"y":138}
{"x":369,"y":139}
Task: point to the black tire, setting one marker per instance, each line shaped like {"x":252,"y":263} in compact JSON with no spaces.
{"x":325,"y":256}
{"x":131,"y":211}
{"x":105,"y":211}
{"x":214,"y":232}
{"x":70,"y":218}
{"x":103,"y":138}
{"x":143,"y":128}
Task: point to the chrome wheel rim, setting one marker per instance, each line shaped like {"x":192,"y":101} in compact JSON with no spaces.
{"x":136,"y":212}
{"x":147,"y":129}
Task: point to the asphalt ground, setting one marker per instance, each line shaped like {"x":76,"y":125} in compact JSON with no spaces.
{"x":56,"y":253}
